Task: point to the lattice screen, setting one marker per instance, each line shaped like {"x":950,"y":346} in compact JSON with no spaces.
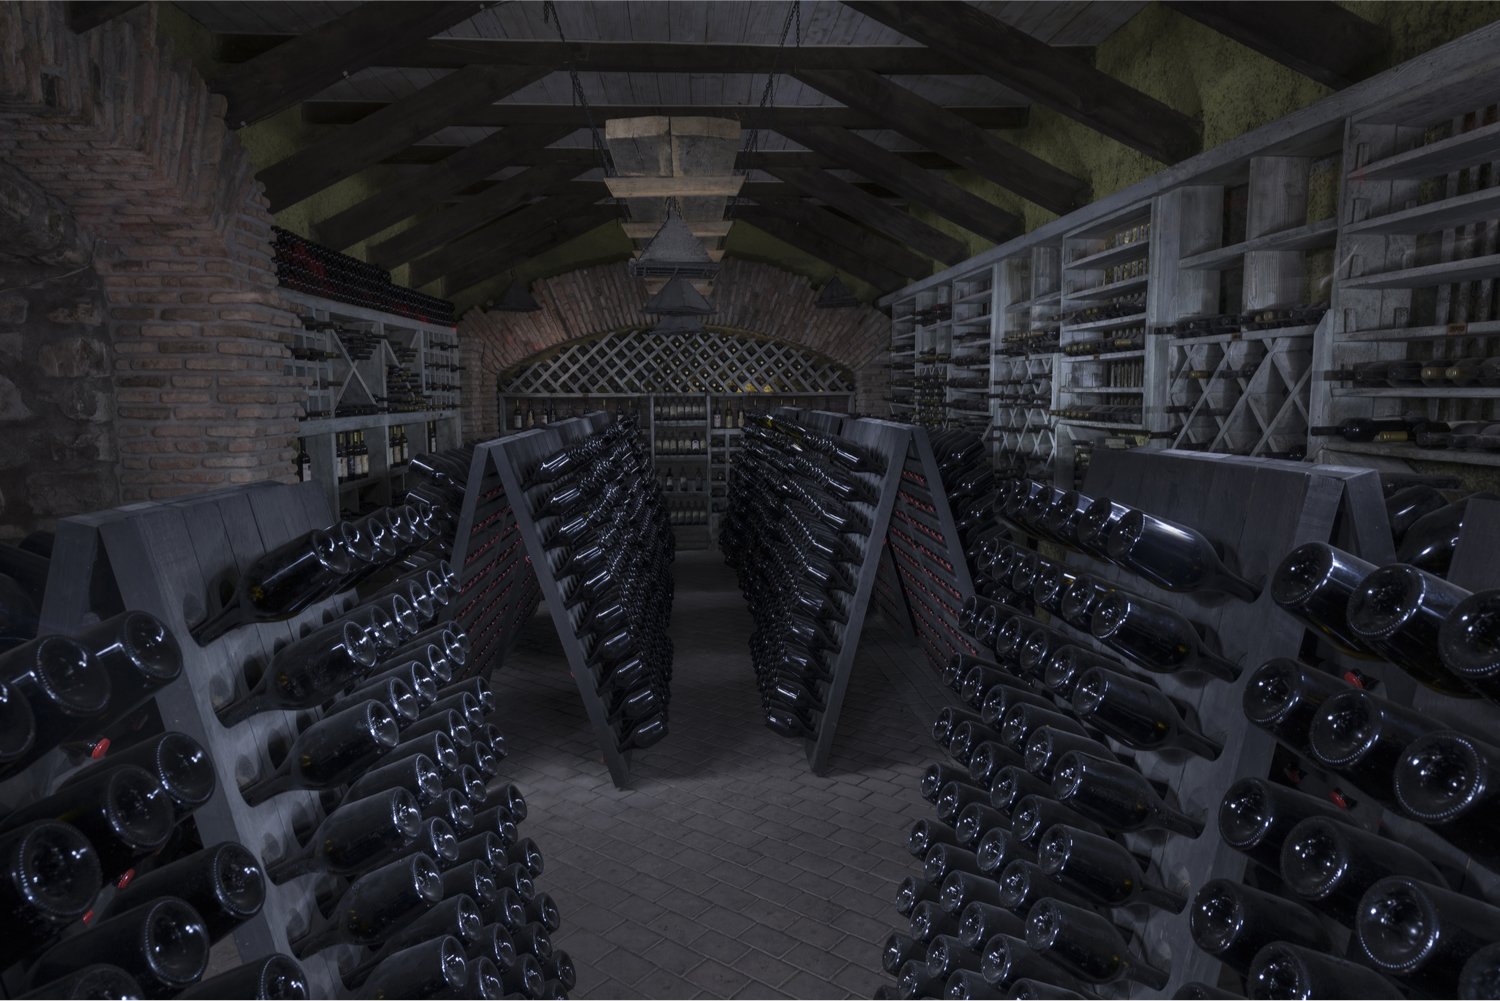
{"x":644,"y":361}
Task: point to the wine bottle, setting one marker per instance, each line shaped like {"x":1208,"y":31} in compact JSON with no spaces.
{"x":435,"y":968}
{"x":1255,"y":817}
{"x":524,"y":978}
{"x":1063,"y":515}
{"x":1096,"y":525}
{"x":987,"y":758}
{"x":967,"y":736}
{"x":927,"y":833}
{"x":1116,"y":796}
{"x":899,"y":950}
{"x":1331,"y":865}
{"x":100,"y":980}
{"x":981,"y":921}
{"x":462,"y":703}
{"x":1361,"y":428}
{"x":1100,"y":870}
{"x":948,"y":720}
{"x":913,"y":981}
{"x":63,"y":686}
{"x":965,"y":984}
{"x":1431,"y":541}
{"x":495,"y":946}
{"x":1068,"y":662}
{"x":275,"y":976}
{"x":1448,"y":781}
{"x":1039,"y":990}
{"x":1423,"y":934}
{"x":1136,"y":714}
{"x":1469,"y":642}
{"x":122,"y":810}
{"x":414,"y":674}
{"x":452,"y":806}
{"x":280,"y":584}
{"x":331,"y":752}
{"x":375,"y":905}
{"x":182,"y":766}
{"x":1007,"y":959}
{"x":223,"y":883}
{"x":946,"y":955}
{"x":943,"y":859}
{"x":354,"y":835}
{"x":456,"y":915}
{"x":448,"y":722}
{"x":1173,"y":557}
{"x":975,"y":821}
{"x":1232,"y":922}
{"x":1012,"y":785}
{"x":1036,"y":815}
{"x":162,"y":944}
{"x":307,"y":672}
{"x":52,"y":877}
{"x":998,"y":849}
{"x":391,"y":692}
{"x":1283,"y":697}
{"x":140,"y":655}
{"x":1314,"y":583}
{"x":1045,"y":750}
{"x":1087,"y":945}
{"x":1156,"y":637}
{"x":1361,"y":737}
{"x":912,"y":891}
{"x":1284,"y":970}
{"x":542,"y":910}
{"x":961,"y":889}
{"x":1398,"y":612}
{"x":17,"y":727}
{"x":1081,"y":598}
{"x":1024,"y":720}
{"x":1480,"y":976}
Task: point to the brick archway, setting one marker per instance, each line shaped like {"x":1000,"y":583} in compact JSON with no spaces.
{"x":749,"y":296}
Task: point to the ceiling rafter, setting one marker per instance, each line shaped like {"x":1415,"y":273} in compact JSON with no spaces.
{"x":862,"y":205}
{"x":1317,"y":38}
{"x":824,"y":249}
{"x":492,"y":250}
{"x":840,"y":230}
{"x":1051,"y":78}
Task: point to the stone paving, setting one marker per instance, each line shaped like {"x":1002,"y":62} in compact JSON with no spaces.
{"x":727,"y":869}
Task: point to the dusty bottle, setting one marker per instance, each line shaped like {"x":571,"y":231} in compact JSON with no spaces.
{"x":1398,"y":612}
{"x":354,"y":835}
{"x":1136,"y":714}
{"x":162,"y":944}
{"x":53,"y":688}
{"x":1116,"y":796}
{"x":331,"y":752}
{"x":375,"y":905}
{"x":1362,"y":736}
{"x":1284,"y":970}
{"x":1255,"y":817}
{"x":1232,"y":922}
{"x":1087,"y":945}
{"x":1469,"y":642}
{"x":1101,"y":870}
{"x":1331,"y":865}
{"x":181,"y":764}
{"x":1173,"y":557}
{"x":1422,"y":933}
{"x":1314,"y":583}
{"x":52,"y":876}
{"x":1283,"y":698}
{"x":307,"y":672}
{"x":223,"y":883}
{"x":275,"y":976}
{"x":280,"y":584}
{"x":121,"y":809}
{"x":1156,"y":637}
{"x":1448,"y":780}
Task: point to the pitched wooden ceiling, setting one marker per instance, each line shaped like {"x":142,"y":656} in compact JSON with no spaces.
{"x":882,"y":97}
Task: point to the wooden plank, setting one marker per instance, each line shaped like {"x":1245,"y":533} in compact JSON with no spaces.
{"x":308,"y":63}
{"x":646,"y":230}
{"x":850,"y":234}
{"x":348,"y":112}
{"x":823,"y":248}
{"x":419,"y":191}
{"x":504,"y":258}
{"x":640,"y":56}
{"x":665,"y":187}
{"x":1317,"y":38}
{"x":939,"y":129}
{"x":1058,"y":81}
{"x":86,"y":15}
{"x":873,"y":212}
{"x":1428,"y":275}
{"x":470,"y":214}
{"x":393,"y":127}
{"x":906,"y":178}
{"x":503,"y":232}
{"x":1441,"y":157}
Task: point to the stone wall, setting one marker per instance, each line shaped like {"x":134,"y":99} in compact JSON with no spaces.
{"x":757,"y":298}
{"x":131,"y":142}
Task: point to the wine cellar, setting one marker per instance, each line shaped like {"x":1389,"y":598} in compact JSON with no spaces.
{"x":750,"y":499}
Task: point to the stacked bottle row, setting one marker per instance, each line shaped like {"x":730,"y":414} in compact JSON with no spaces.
{"x":308,"y":267}
{"x":605,"y":527}
{"x":109,"y":890}
{"x":924,"y":557}
{"x":497,"y":587}
{"x":797,"y":533}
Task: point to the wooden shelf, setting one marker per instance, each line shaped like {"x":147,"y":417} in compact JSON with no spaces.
{"x":1408,"y":450}
{"x":1111,"y":323}
{"x":1101,"y":390}
{"x":1483,"y":328}
{"x":974,"y":297}
{"x":1445,"y":156}
{"x":333,"y":425}
{"x":366,"y":314}
{"x":1106,"y":356}
{"x":1134,"y":251}
{"x":1431,"y":392}
{"x":1322,"y":233}
{"x":1446,"y":273}
{"x":1435,"y":216}
{"x":1110,"y":291}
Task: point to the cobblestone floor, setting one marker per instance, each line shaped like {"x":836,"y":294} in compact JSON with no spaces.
{"x":727,"y":869}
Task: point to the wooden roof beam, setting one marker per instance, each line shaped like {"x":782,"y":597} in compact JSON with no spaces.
{"x":910,"y":181}
{"x":499,"y":115}
{"x":299,"y":68}
{"x":585,"y":157}
{"x":831,"y":226}
{"x":1051,"y":78}
{"x":1317,"y":38}
{"x":822,"y":248}
{"x":394,"y":127}
{"x":893,"y":222}
{"x":429,"y":187}
{"x":532,"y":231}
{"x":640,"y":57}
{"x":940,"y":130}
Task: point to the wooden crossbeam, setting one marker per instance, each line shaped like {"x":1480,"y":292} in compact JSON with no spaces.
{"x":469,"y":215}
{"x":297,"y":69}
{"x":1051,"y":78}
{"x":667,"y":187}
{"x":938,"y":129}
{"x":86,"y":15}
{"x":555,"y":232}
{"x":642,"y":57}
{"x":646,"y":230}
{"x":864,"y":206}
{"x":832,"y":226}
{"x":568,"y":201}
{"x":824,"y":249}
{"x":394,"y":127}
{"x":910,"y":181}
{"x":450,"y":176}
{"x":1317,"y":38}
{"x":584,"y":157}
{"x":349,"y":112}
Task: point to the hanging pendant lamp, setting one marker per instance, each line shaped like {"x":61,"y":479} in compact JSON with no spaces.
{"x":678,"y":298}
{"x":674,"y":252}
{"x":835,"y":296}
{"x":516,"y":300}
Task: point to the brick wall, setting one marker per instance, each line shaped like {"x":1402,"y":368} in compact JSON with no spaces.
{"x":748,"y":296}
{"x":130,"y":140}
